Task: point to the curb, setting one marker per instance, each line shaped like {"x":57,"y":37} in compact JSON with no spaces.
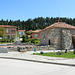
{"x":39,"y":61}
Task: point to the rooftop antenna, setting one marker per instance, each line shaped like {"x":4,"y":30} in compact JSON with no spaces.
{"x":59,"y":20}
{"x":58,"y":16}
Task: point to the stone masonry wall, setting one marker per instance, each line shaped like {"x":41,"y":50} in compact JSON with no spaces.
{"x":38,"y":48}
{"x":54,"y":35}
{"x":66,"y":39}
{"x":72,"y":31}
{"x":57,"y":36}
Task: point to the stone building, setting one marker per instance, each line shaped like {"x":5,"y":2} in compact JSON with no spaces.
{"x":59,"y":34}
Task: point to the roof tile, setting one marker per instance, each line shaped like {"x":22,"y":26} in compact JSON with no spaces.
{"x":8,"y":26}
{"x":60,"y":25}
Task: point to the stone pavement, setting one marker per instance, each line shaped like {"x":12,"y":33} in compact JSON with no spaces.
{"x":28,"y":56}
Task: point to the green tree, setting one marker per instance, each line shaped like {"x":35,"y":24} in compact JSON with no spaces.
{"x":28,"y":32}
{"x":36,"y":23}
{"x":2,"y":32}
{"x":23,"y":38}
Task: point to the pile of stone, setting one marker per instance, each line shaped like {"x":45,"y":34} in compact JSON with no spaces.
{"x":18,"y":47}
{"x":20,"y":43}
{"x":21,"y":49}
{"x":47,"y":47}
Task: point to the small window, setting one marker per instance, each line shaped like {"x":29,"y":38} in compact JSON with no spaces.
{"x":12,"y":31}
{"x":36,"y":35}
{"x":6,"y":30}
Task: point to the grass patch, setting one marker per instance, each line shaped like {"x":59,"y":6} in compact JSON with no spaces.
{"x":63,"y":55}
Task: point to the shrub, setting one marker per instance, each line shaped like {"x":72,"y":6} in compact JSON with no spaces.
{"x":23,"y":38}
{"x":26,"y":37}
{"x":26,"y":40}
{"x":28,"y":33}
{"x":33,"y":41}
{"x":5,"y":40}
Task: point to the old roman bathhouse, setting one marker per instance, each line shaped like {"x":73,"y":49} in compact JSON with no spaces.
{"x":59,"y":34}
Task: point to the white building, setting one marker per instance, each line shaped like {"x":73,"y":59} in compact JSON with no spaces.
{"x":21,"y":32}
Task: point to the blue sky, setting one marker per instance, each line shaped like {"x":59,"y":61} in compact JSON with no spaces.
{"x":25,"y":9}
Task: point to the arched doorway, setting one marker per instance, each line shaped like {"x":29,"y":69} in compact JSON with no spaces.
{"x":49,"y":42}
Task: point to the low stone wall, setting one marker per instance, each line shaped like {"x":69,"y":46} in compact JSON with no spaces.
{"x":49,"y":47}
{"x":20,"y":49}
{"x":12,"y":49}
{"x":24,"y":49}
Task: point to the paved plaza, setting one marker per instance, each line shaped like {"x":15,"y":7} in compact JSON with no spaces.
{"x":28,"y":56}
{"x":18,"y":67}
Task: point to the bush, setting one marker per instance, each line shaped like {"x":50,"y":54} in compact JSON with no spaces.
{"x":23,"y":38}
{"x":5,"y":40}
{"x":26,"y":37}
{"x":33,"y":41}
{"x":28,"y":33}
{"x":26,"y":40}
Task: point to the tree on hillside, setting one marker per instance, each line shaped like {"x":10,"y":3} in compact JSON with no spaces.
{"x":36,"y":23}
{"x":73,"y":22}
{"x":2,"y":32}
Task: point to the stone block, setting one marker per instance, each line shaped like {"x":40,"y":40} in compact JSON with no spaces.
{"x":3,"y":50}
{"x":21,"y":49}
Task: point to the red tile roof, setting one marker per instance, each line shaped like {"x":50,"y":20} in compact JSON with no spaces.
{"x":8,"y":26}
{"x":21,"y":30}
{"x":60,"y":25}
{"x":36,"y":31}
{"x":30,"y":31}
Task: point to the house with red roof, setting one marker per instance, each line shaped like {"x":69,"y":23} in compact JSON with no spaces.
{"x":11,"y":31}
{"x":58,"y":34}
{"x":36,"y":33}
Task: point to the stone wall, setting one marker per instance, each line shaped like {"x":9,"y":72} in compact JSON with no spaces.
{"x":24,"y":49}
{"x":66,"y":39}
{"x":55,"y":36}
{"x":48,"y":47}
{"x":72,"y":31}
